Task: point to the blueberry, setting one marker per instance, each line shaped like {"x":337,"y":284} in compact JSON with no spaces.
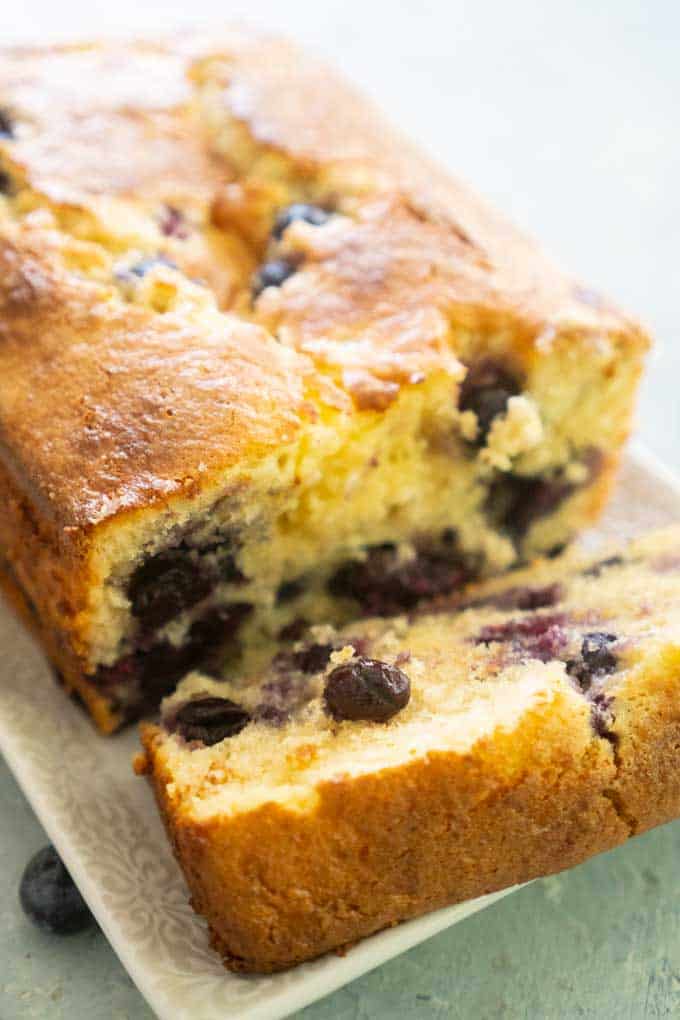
{"x":313,"y":214}
{"x":596,"y":659}
{"x":595,"y":569}
{"x":596,"y":654}
{"x":148,"y":674}
{"x":294,"y":630}
{"x":141,"y":268}
{"x":216,"y":627}
{"x":272,"y":274}
{"x":229,"y":572}
{"x":210,"y":720}
{"x":516,"y":502}
{"x":5,"y":183}
{"x":312,"y":659}
{"x":383,"y":584}
{"x":289,"y":590}
{"x":166,"y":584}
{"x":366,"y":689}
{"x":49,"y":896}
{"x":6,"y":125}
{"x":486,"y":390}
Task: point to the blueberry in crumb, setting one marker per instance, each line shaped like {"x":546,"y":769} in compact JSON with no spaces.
{"x":595,"y":569}
{"x":5,"y":183}
{"x":312,"y":659}
{"x":166,"y":584}
{"x":486,"y":390}
{"x":313,"y":214}
{"x":6,"y":125}
{"x":596,"y":659}
{"x":50,"y":898}
{"x":383,"y":584}
{"x":172,"y":223}
{"x":229,"y":571}
{"x":273,"y":274}
{"x":289,"y":590}
{"x":210,"y":720}
{"x":595,"y":652}
{"x":294,"y":630}
{"x":366,"y":689}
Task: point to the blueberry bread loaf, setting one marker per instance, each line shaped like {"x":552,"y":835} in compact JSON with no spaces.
{"x":397,"y":765}
{"x":262,"y":364}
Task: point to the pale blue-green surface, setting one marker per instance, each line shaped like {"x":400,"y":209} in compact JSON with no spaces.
{"x":566,"y":114}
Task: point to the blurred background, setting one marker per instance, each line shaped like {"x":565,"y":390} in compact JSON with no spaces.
{"x":566,"y":116}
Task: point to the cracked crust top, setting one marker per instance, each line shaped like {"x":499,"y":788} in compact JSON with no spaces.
{"x":187,"y":147}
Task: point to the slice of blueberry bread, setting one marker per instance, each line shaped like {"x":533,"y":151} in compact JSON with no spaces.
{"x":394,"y":766}
{"x":262,"y":364}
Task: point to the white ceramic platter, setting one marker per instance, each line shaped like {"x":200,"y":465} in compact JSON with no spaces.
{"x":104,"y":824}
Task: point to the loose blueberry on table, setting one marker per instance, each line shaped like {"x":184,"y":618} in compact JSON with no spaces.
{"x":50,"y":898}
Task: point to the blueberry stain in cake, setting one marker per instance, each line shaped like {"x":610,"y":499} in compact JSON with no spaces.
{"x":284,"y":694}
{"x":366,"y":689}
{"x":602,"y":716}
{"x":273,"y":273}
{"x":486,"y":390}
{"x":521,"y":597}
{"x":166,"y":584}
{"x":313,"y":214}
{"x":541,"y":637}
{"x":172,"y":223}
{"x":383,"y":584}
{"x":210,"y":720}
{"x":50,"y":898}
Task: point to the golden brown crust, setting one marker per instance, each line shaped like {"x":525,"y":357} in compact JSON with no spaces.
{"x":110,"y":406}
{"x":131,"y":406}
{"x":647,"y":749}
{"x":279,"y":887}
{"x":394,"y":278}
